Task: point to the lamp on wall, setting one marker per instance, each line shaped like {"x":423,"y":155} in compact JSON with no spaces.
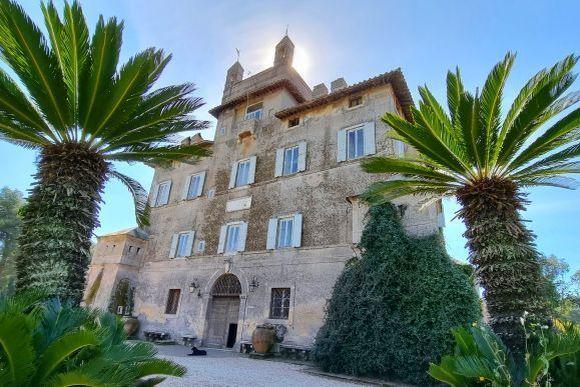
{"x":192,"y":286}
{"x":254,"y":283}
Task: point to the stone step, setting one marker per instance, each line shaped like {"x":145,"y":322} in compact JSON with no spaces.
{"x":165,"y":342}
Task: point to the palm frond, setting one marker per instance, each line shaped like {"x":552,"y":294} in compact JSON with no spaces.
{"x":139,"y":195}
{"x":407,"y":167}
{"x":17,"y":351}
{"x":185,"y":154}
{"x":159,"y":367}
{"x":385,"y":191}
{"x":454,"y":92}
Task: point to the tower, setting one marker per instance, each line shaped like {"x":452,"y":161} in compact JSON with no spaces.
{"x":235,"y":74}
{"x":284,"y":52}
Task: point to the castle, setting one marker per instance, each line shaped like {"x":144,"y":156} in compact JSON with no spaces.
{"x":259,"y":231}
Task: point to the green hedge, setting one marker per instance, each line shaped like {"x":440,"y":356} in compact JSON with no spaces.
{"x":391,"y":311}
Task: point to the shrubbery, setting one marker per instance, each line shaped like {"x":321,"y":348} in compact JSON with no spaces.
{"x":391,"y":311}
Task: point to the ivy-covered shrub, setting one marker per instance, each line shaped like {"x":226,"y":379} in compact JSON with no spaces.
{"x":392,"y":311}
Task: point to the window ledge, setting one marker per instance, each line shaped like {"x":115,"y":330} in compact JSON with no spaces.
{"x":354,"y":107}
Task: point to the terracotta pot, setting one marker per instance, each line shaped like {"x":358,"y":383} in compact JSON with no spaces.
{"x":130,"y":325}
{"x":262,"y":339}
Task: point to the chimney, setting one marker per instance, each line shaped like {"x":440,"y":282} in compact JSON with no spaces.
{"x":337,"y":84}
{"x":319,"y":90}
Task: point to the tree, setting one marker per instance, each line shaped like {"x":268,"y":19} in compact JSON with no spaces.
{"x":484,"y":160}
{"x":10,"y":222}
{"x":82,"y":112}
{"x":391,"y":312}
{"x":51,"y":343}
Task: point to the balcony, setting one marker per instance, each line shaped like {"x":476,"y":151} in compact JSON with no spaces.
{"x":247,"y":128}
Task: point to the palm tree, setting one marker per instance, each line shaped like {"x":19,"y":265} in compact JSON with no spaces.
{"x":484,"y":160}
{"x":73,"y":103}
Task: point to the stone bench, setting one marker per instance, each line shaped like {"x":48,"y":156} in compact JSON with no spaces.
{"x":156,"y":335}
{"x":297,"y":352}
{"x":246,"y":347}
{"x":188,"y":340}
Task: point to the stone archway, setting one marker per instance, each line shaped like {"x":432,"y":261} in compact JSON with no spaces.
{"x":223,"y":312}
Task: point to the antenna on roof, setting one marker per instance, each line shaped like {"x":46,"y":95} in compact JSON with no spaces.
{"x":238,"y":55}
{"x":287,"y":25}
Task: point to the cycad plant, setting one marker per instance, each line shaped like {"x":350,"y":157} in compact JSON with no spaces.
{"x":73,"y":103}
{"x":51,"y":343}
{"x":484,"y":159}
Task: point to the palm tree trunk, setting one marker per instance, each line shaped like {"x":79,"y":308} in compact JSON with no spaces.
{"x":59,"y":219}
{"x":503,"y":252}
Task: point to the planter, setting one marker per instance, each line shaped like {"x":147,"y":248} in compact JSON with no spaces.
{"x":262,"y":339}
{"x":130,"y":325}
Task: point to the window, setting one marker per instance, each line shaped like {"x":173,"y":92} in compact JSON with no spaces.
{"x":195,"y":187}
{"x":162,"y":195}
{"x":355,"y":143}
{"x":130,"y":249}
{"x":254,"y":111}
{"x":233,"y":238}
{"x":222,"y":130}
{"x":242,"y":173}
{"x":172,"y":301}
{"x":291,"y":160}
{"x":294,"y":122}
{"x":138,"y":250}
{"x":280,"y":303}
{"x":355,"y":101}
{"x":399,"y":148}
{"x":211,"y":193}
{"x":284,"y":231}
{"x":182,"y":241}
{"x":200,"y":246}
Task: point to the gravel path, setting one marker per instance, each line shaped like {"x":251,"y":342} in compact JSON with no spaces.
{"x":226,"y":369}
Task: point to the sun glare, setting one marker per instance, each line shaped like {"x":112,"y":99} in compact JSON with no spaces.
{"x":301,"y":61}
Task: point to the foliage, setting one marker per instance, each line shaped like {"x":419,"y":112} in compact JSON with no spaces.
{"x":391,"y":311}
{"x":51,"y":343}
{"x":82,"y":110}
{"x":484,"y":159}
{"x":564,"y":371}
{"x":481,"y":358}
{"x":123,"y":296}
{"x":94,"y":289}
{"x":10,"y":203}
{"x":561,"y":292}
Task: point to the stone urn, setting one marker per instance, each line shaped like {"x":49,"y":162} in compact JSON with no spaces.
{"x":130,"y":325}
{"x":263,"y":338}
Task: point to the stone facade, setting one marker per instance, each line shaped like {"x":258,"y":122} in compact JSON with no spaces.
{"x":318,"y":198}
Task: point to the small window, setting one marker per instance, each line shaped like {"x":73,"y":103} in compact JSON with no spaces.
{"x":280,"y":303}
{"x":291,"y":156}
{"x":211,"y":193}
{"x":130,"y":249}
{"x":172,"y":301}
{"x":194,"y":186}
{"x":162,"y":194}
{"x":254,"y":111}
{"x":294,"y":122}
{"x":222,"y":130}
{"x":182,"y":242}
{"x":243,"y":173}
{"x":285,"y":227}
{"x":138,"y":250}
{"x":399,"y":148}
{"x":233,"y":238}
{"x":354,"y":101}
{"x":355,"y":143}
{"x":200,"y":246}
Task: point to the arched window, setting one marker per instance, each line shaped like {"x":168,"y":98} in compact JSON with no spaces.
{"x":226,"y":285}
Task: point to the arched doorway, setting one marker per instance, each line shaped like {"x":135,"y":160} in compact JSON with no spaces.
{"x":223,"y":312}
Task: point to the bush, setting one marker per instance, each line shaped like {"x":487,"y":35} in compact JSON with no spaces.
{"x":52,"y":343}
{"x":391,"y":311}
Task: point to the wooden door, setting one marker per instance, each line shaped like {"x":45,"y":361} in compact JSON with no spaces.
{"x":223,"y":312}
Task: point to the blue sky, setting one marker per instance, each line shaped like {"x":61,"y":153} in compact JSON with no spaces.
{"x":353,"y":39}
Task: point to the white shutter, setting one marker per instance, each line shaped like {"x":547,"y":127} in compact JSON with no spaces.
{"x":165,"y":197}
{"x":201,"y":182}
{"x":186,"y":188}
{"x":369,"y":130}
{"x":272,"y":231}
{"x":189,"y":245}
{"x":242,"y":236}
{"x":222,"y":242}
{"x":279,"y":162}
{"x":297,"y":231}
{"x":252,"y":171}
{"x":302,"y":156}
{"x":341,"y":145}
{"x":233,"y":175}
{"x":173,"y":248}
{"x":153,"y":197}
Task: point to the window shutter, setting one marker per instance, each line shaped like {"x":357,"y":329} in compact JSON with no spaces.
{"x":222,"y":242}
{"x":201,"y":182}
{"x":341,"y":145}
{"x":242,"y":235}
{"x":186,"y":188}
{"x":369,"y":130}
{"x":279,"y":162}
{"x":297,"y":231}
{"x":252,"y":172}
{"x":165,"y":198}
{"x":233,"y":175}
{"x":153,"y":197}
{"x":272,"y":231}
{"x":173,"y":248}
{"x":189,"y":246}
{"x":302,"y":156}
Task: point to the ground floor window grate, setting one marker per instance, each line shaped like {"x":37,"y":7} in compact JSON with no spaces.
{"x":172,"y":301}
{"x":280,"y":303}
